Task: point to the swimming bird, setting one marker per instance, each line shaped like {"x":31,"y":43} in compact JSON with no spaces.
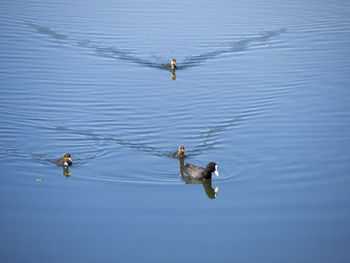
{"x":196,"y":172}
{"x":231,"y":47}
{"x":180,"y":153}
{"x":65,"y":160}
{"x":171,"y":65}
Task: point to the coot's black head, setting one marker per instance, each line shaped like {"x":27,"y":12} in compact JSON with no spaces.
{"x":212,"y":167}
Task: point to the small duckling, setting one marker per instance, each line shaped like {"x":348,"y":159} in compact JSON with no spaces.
{"x":172,"y":65}
{"x":65,"y":160}
{"x":180,"y":153}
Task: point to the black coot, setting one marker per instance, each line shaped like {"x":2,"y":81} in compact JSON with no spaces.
{"x":196,"y":172}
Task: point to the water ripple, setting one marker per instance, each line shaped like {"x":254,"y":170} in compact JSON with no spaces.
{"x":118,"y":54}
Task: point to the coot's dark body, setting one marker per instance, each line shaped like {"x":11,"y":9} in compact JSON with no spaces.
{"x":195,"y":172}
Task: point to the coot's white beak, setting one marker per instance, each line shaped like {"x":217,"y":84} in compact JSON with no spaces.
{"x":216,"y":170}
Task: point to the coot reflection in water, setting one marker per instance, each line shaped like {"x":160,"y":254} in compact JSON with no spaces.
{"x":211,"y":192}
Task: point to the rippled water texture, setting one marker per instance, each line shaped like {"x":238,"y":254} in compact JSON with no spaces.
{"x":261,"y":88}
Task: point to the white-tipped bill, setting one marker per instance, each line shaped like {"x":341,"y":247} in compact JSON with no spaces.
{"x":216,"y":170}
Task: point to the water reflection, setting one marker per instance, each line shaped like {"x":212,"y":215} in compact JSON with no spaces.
{"x":116,"y":53}
{"x":211,"y":192}
{"x":173,"y":75}
{"x":66,"y":171}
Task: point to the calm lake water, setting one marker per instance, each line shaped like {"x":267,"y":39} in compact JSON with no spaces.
{"x":262,"y":89}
